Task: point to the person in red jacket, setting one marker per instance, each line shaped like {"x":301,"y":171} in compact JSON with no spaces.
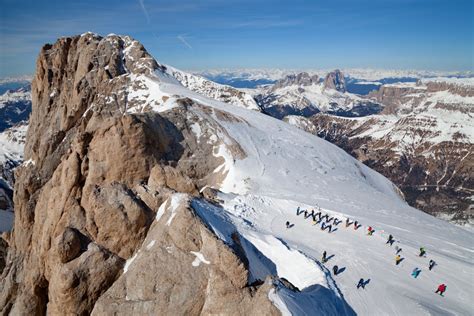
{"x":441,"y":289}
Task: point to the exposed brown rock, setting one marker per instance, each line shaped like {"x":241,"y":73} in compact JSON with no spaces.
{"x":166,"y":272}
{"x":98,"y":174}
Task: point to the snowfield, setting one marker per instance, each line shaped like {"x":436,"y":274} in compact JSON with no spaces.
{"x":286,"y":168}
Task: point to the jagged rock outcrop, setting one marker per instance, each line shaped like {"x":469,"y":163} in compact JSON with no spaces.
{"x":198,"y":273}
{"x":422,"y":142}
{"x":305,"y":95}
{"x":301,"y":79}
{"x":335,"y":80}
{"x":99,"y":164}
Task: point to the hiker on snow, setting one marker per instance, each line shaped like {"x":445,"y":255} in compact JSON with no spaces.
{"x":298,"y":211}
{"x":356,"y":225}
{"x":422,"y":252}
{"x":348,"y":222}
{"x":361,"y":284}
{"x":324,"y":259}
{"x":370,"y":231}
{"x":431,"y":264}
{"x":335,"y":270}
{"x":398,"y":259}
{"x":390,"y":240}
{"x":398,"y":250}
{"x":441,"y":289}
{"x":416,"y":272}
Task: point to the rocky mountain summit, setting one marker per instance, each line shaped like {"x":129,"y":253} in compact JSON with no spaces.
{"x":99,"y":163}
{"x":422,"y":141}
{"x":140,"y":196}
{"x":305,"y":95}
{"x":335,"y":80}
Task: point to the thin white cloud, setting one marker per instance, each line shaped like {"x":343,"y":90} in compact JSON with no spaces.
{"x":142,"y":4}
{"x":183,"y":40}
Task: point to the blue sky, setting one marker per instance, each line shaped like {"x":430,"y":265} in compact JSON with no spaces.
{"x":198,"y":35}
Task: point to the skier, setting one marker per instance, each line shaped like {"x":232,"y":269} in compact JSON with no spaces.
{"x":323,"y":226}
{"x":348,"y":222}
{"x":422,"y":252}
{"x":431,"y":264}
{"x":370,"y":231}
{"x":298,"y":211}
{"x":398,"y":250}
{"x":324,"y":258}
{"x":306,"y":214}
{"x":441,"y":289}
{"x":398,"y":259}
{"x":328,"y":220}
{"x":361,"y":284}
{"x":335,"y":270}
{"x":356,"y":225}
{"x":390,"y":240}
{"x":416,"y":272}
{"x":337,"y":221}
{"x":288,"y":225}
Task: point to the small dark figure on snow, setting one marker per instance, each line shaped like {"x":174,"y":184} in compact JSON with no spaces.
{"x":335,"y":270}
{"x":422,"y":252}
{"x":361,"y":284}
{"x":390,"y":240}
{"x":398,"y":250}
{"x":398,"y":259}
{"x":324,"y":259}
{"x":306,"y":214}
{"x":431,"y":264}
{"x":348,"y":222}
{"x":356,"y":225}
{"x":328,"y":220}
{"x":441,"y":289}
{"x":337,"y":221}
{"x":298,"y":211}
{"x":370,"y":231}
{"x":416,"y":272}
{"x":288,"y":225}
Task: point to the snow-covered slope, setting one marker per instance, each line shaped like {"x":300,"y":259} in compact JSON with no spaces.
{"x":15,"y":106}
{"x":423,"y":141}
{"x":12,"y":142}
{"x":283,"y":168}
{"x":214,"y":90}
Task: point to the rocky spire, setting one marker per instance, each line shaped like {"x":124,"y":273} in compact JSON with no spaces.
{"x":335,"y":80}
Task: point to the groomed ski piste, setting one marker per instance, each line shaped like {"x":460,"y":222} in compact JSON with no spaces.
{"x":286,"y":168}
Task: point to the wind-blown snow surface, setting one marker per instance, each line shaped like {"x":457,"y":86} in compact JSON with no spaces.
{"x":285,"y":168}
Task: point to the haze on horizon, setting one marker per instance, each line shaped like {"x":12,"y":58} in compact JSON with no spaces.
{"x":209,"y":34}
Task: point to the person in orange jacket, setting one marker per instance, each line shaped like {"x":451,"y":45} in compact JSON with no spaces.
{"x":398,"y":259}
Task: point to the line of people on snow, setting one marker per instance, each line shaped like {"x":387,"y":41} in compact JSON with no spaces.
{"x":318,"y":217}
{"x":325,"y":220}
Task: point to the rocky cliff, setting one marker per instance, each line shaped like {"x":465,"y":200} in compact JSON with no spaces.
{"x":89,"y":234}
{"x":335,"y":80}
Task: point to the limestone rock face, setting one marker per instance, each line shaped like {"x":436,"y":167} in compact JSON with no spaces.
{"x":97,"y":173}
{"x":335,"y":80}
{"x":195,"y":264}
